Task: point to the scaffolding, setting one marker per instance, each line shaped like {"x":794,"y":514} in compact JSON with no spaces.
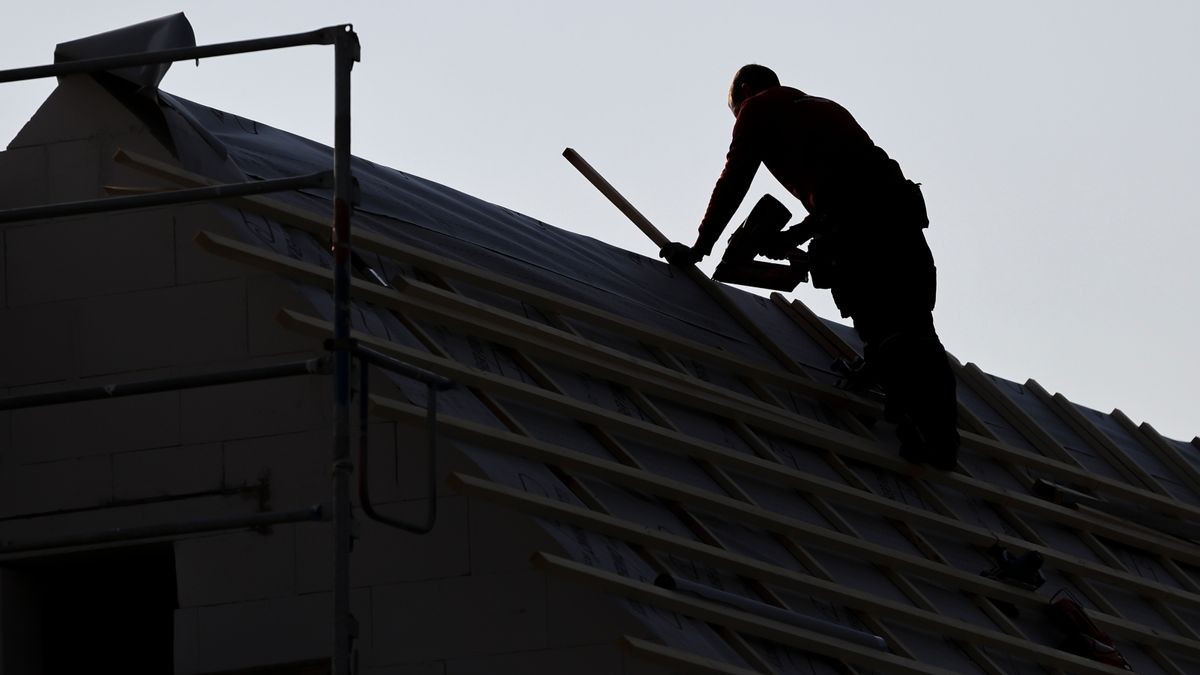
{"x":342,"y":348}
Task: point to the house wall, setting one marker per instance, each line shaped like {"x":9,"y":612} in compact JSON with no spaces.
{"x":97,"y":299}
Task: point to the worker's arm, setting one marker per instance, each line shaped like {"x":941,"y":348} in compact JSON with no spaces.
{"x":741,"y":163}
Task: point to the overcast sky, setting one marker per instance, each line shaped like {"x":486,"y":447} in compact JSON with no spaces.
{"x":1057,"y":141}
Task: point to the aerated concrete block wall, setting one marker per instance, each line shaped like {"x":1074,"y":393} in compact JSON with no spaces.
{"x":127,"y":296}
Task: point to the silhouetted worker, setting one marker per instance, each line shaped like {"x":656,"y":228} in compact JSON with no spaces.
{"x":869,"y":248}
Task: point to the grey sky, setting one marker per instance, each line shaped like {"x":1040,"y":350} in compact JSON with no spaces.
{"x":1057,"y":141}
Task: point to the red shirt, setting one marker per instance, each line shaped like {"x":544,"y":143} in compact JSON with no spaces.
{"x":812,"y":146}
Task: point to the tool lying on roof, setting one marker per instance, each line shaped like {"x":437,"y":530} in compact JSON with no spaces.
{"x":1023,"y":571}
{"x":1065,"y":496}
{"x":834,"y":630}
{"x":762,"y":234}
{"x":1080,"y":635}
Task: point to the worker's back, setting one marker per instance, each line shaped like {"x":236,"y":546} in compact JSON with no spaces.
{"x":815,"y":148}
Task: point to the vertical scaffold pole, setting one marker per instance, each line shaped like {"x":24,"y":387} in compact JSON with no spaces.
{"x":346,"y":52}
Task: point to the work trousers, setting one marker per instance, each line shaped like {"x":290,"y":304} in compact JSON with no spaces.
{"x":887,"y":283}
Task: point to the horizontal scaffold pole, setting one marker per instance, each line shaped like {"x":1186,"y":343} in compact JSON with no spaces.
{"x":120,"y":534}
{"x":321,"y":36}
{"x":156,"y":385}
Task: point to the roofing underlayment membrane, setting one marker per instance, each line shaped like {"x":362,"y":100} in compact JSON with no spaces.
{"x":1151,"y":586}
{"x":460,"y":227}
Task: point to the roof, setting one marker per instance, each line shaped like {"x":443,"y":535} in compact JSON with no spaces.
{"x":652,"y":429}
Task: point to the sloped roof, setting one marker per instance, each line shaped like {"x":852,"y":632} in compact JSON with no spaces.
{"x":649,"y":429}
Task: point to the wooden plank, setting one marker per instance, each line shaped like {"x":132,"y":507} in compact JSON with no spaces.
{"x":1119,"y":460}
{"x":714,"y":290}
{"x":319,"y":272}
{"x":696,"y":393}
{"x":923,"y":620}
{"x":690,"y":447}
{"x":369,"y":241}
{"x":1154,"y":442}
{"x":676,"y":658}
{"x":793,"y":547}
{"x":1090,"y":540}
{"x":583,"y":492}
{"x":904,"y":527}
{"x":814,"y":327}
{"x":986,"y":446}
{"x":1098,"y":440}
{"x":987,"y":390}
{"x":531,"y":337}
{"x":965,"y":414}
{"x":742,"y":622}
{"x":286,"y":214}
{"x":625,"y":457}
{"x":770,"y":521}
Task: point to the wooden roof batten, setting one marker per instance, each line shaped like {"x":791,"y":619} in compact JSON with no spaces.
{"x":442,"y":304}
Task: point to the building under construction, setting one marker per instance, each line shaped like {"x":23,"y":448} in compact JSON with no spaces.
{"x":272,"y":409}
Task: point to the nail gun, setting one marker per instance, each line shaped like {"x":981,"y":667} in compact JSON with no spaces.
{"x":762,"y":234}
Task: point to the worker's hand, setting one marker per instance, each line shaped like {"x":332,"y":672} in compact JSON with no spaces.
{"x":680,"y":255}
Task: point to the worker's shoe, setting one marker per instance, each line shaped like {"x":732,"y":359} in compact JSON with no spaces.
{"x":860,"y":378}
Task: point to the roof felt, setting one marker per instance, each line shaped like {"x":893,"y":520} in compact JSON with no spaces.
{"x":641,"y":453}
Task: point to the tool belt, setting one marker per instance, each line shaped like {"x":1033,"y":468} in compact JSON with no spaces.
{"x":838,"y":230}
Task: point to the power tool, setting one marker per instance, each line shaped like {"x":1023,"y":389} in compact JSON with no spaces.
{"x":762,"y":234}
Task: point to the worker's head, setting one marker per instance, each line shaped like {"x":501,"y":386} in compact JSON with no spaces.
{"x":750,"y":80}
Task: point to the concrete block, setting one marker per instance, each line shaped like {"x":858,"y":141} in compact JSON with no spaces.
{"x":178,"y":326}
{"x":386,"y":555}
{"x":600,"y":659}
{"x":6,"y":458}
{"x":503,"y":540}
{"x":187,"y":652}
{"x":234,"y":567}
{"x":400,"y":462}
{"x":73,"y":170}
{"x":21,"y":616}
{"x":23,"y":175}
{"x":95,"y":427}
{"x":37,"y":344}
{"x":634,"y":665}
{"x":192,"y":263}
{"x":578,"y":615}
{"x":166,"y":471}
{"x":264,"y":632}
{"x":90,"y":255}
{"x":282,"y":630}
{"x":297,"y":466}
{"x":55,"y":485}
{"x":265,"y":296}
{"x":109,"y":517}
{"x":252,"y":409}
{"x":459,"y":617}
{"x":79,"y":108}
